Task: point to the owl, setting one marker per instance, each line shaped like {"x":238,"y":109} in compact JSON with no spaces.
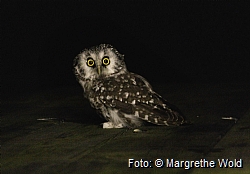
{"x":123,"y":98}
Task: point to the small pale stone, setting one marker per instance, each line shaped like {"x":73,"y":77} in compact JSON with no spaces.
{"x":137,"y":130}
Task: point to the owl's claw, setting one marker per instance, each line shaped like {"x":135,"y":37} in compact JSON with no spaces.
{"x":109,"y":125}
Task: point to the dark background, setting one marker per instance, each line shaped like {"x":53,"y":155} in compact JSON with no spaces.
{"x":164,"y":42}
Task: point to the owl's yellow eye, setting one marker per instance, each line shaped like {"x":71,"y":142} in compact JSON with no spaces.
{"x":90,"y":62}
{"x":105,"y":61}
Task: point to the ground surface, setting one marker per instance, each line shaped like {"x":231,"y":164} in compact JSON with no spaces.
{"x":75,"y":143}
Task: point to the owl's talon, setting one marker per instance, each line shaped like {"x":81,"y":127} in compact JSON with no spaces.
{"x":109,"y":125}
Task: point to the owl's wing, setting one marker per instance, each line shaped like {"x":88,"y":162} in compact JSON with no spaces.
{"x":133,"y":95}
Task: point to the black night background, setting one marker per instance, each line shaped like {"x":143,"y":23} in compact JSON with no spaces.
{"x":194,"y":53}
{"x":165,"y":42}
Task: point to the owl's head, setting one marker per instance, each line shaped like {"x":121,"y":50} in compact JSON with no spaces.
{"x":99,"y":62}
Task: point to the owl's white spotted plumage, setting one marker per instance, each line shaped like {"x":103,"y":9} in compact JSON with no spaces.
{"x":123,"y":98}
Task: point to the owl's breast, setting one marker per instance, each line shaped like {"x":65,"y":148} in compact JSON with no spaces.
{"x":124,"y":88}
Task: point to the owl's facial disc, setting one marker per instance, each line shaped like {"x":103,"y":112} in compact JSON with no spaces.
{"x":99,"y":62}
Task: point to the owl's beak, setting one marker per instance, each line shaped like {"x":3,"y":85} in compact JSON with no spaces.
{"x":99,"y":69}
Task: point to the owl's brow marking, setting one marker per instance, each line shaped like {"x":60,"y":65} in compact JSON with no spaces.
{"x":105,"y":52}
{"x":88,"y":54}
